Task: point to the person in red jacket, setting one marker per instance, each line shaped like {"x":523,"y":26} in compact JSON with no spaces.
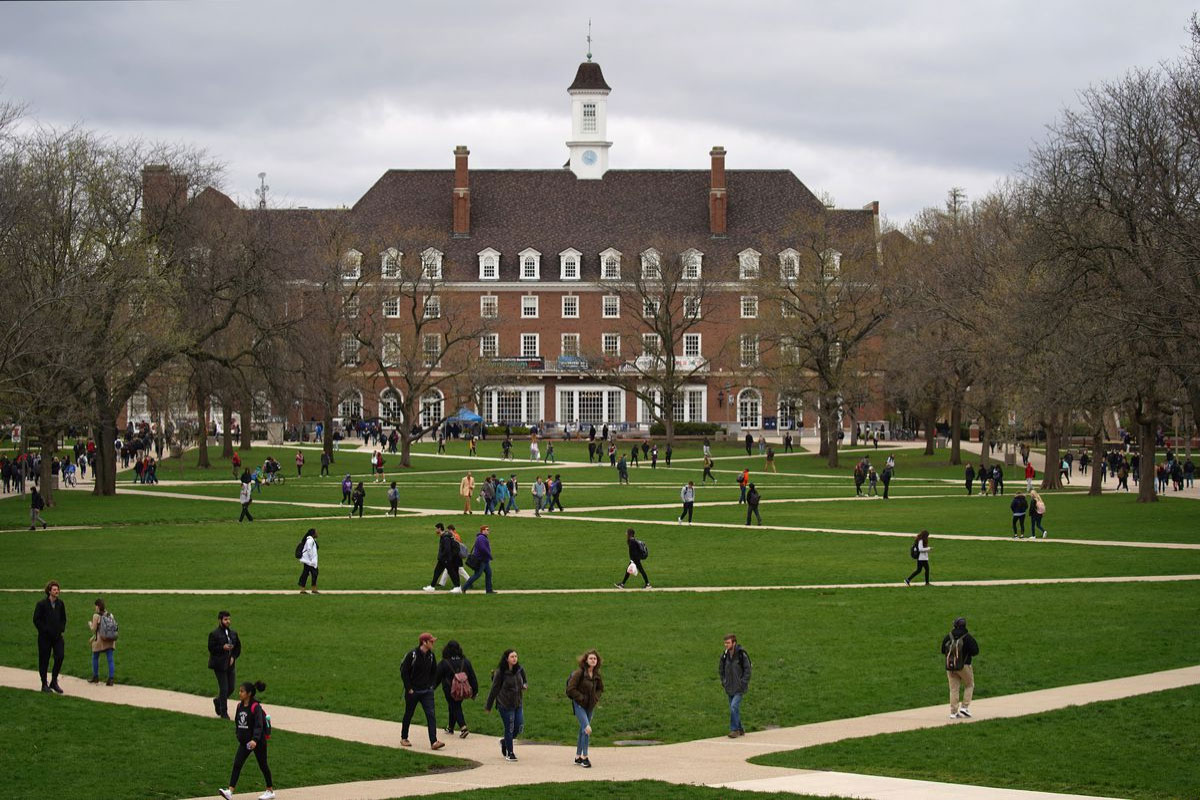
{"x":1029,"y":475}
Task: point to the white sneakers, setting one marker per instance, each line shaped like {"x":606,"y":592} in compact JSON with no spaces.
{"x":428,"y":589}
{"x":954,"y":715}
{"x":962,"y":712}
{"x":456,"y":590}
{"x":267,"y":795}
{"x":225,"y":793}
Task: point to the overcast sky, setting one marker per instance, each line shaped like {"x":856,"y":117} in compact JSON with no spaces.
{"x":889,"y":101}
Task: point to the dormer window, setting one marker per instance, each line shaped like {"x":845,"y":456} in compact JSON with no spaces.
{"x":610,"y":265}
{"x":568,"y":265}
{"x":389,"y":264}
{"x":431,"y":264}
{"x":748,"y":265}
{"x":692,"y":259}
{"x":789,"y":265}
{"x":489,"y":265}
{"x":531,"y":264}
{"x":651,"y":270}
{"x":352,"y":265}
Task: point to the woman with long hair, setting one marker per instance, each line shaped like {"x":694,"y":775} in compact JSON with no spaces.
{"x":454,"y":688}
{"x":508,"y":686}
{"x":584,"y":687}
{"x":252,"y":730}
{"x":101,"y":644}
{"x":1037,"y":510}
{"x":921,"y":545}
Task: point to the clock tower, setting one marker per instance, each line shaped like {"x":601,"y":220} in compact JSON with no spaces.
{"x":589,"y":119}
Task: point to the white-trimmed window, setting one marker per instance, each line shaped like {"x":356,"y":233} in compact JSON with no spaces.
{"x":650,"y":307}
{"x":651,"y":265}
{"x":748,"y":263}
{"x":791,"y":413}
{"x":691,"y":307}
{"x":351,"y":306}
{"x":748,"y":350}
{"x":350,"y":406}
{"x":568,"y":264}
{"x":749,"y":307}
{"x":789,"y":265}
{"x":570,"y":344}
{"x":391,"y":349}
{"x":789,"y":352}
{"x":570,"y":306}
{"x":611,"y":306}
{"x":531,"y":264}
{"x":692,"y":261}
{"x":530,"y":345}
{"x":433,"y":307}
{"x":349,"y":351}
{"x":389,"y":264}
{"x":831,"y":264}
{"x":391,"y":307}
{"x":749,"y":408}
{"x":529,"y":306}
{"x":610,"y":265}
{"x":489,"y":265}
{"x":489,"y":306}
{"x":389,"y":404}
{"x":610,"y":344}
{"x":489,"y":345}
{"x":352,"y":265}
{"x":431,"y":349}
{"x":788,"y":309}
{"x":691,"y":345}
{"x":589,"y":117}
{"x":651,"y":344}
{"x":432,"y":405}
{"x":431,"y":264}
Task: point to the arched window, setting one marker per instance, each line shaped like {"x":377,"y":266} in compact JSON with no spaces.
{"x":791,"y":413}
{"x":749,"y":408}
{"x":389,"y":405}
{"x":351,"y":407}
{"x":431,"y":408}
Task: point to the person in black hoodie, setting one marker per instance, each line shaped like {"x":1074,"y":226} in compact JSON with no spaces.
{"x":418,"y":670}
{"x":224,"y":649}
{"x":752,"y":499}
{"x":452,"y":664}
{"x":636,"y":548}
{"x":250,"y":725}
{"x":970,"y":475}
{"x":449,"y":558}
{"x":959,"y":647}
{"x":50,"y":619}
{"x":36,"y":504}
{"x":1019,"y":506}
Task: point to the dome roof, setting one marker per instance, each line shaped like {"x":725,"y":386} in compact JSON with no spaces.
{"x":589,"y":76}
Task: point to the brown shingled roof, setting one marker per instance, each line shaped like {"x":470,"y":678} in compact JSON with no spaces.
{"x":589,"y":76}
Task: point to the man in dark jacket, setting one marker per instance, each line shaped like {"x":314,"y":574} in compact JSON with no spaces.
{"x":224,"y":649}
{"x":50,"y":619}
{"x":734,"y":669}
{"x":1019,"y":506}
{"x":959,"y":647}
{"x":752,"y":498}
{"x":418,"y":670}
{"x":970,"y":475}
{"x":449,"y":558}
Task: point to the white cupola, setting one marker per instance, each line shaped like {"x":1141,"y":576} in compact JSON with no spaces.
{"x":589,"y":121}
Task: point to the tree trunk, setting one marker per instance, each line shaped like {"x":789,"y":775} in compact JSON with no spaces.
{"x":202,"y":414}
{"x":956,"y":431}
{"x":1097,"y":456}
{"x":246,"y":442}
{"x":853,"y":430}
{"x":1052,"y":476}
{"x":408,"y":412}
{"x":832,"y":430}
{"x":823,"y":437}
{"x":227,"y":436}
{"x":327,"y":432}
{"x":105,"y":465}
{"x":930,"y":431}
{"x":1146,"y":448}
{"x":49,"y":440}
{"x":985,"y":445}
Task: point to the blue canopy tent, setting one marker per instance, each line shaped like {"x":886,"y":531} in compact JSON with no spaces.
{"x":465,"y":415}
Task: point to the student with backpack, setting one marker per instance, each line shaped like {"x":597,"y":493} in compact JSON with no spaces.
{"x":584,"y":687}
{"x":458,"y":681}
{"x":306,"y":551}
{"x":687,"y":495}
{"x":418,"y":670}
{"x":920,"y":551}
{"x":104,"y":640}
{"x":638,"y":552}
{"x":959,"y":647}
{"x":358,"y":498}
{"x":347,"y":489}
{"x":734,"y":668}
{"x":752,"y":500}
{"x":1037,"y":510}
{"x":509,"y":683}
{"x":743,"y":482}
{"x":393,"y":496}
{"x":252,"y":726}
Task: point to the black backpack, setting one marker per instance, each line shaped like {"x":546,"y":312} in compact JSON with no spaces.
{"x":643,"y":550}
{"x":914,"y":551}
{"x":300,"y":547}
{"x":956,"y":655}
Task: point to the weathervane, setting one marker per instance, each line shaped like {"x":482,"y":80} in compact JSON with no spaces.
{"x":589,"y":40}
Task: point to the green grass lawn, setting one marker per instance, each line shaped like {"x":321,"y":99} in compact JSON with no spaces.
{"x":1144,"y":748}
{"x":614,"y":790}
{"x":70,"y":747}
{"x":342,"y":653}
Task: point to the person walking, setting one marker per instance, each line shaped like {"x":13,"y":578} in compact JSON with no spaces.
{"x":480,"y":560}
{"x":708,"y":465}
{"x":886,"y":477}
{"x":457,"y":679}
{"x":1037,"y":510}
{"x":970,"y":476}
{"x":1019,"y":506}
{"x":308,"y":558}
{"x":358,"y":498}
{"x":299,"y":463}
{"x":224,"y":649}
{"x":324,"y":464}
{"x":509,"y":683}
{"x":752,"y":500}
{"x":50,"y":619}
{"x":104,"y":640}
{"x":449,"y":559}
{"x":584,"y":687}
{"x":688,"y":495}
{"x":734,"y":668}
{"x":253,"y":733}
{"x":771,"y":459}
{"x":514,"y":487}
{"x":638,"y":552}
{"x":872,"y":482}
{"x":668,"y":453}
{"x":556,"y":493}
{"x":920,"y":551}
{"x":549,"y":456}
{"x":36,"y":504}
{"x":502,"y":498}
{"x":347,"y":489}
{"x":959,"y":647}
{"x":654,"y":457}
{"x":393,"y":496}
{"x":749,"y":442}
{"x":245,"y":498}
{"x":466,"y":489}
{"x":418,"y":671}
{"x":539,"y":495}
{"x":743,"y":482}
{"x":622,"y":471}
{"x":1030,"y":474}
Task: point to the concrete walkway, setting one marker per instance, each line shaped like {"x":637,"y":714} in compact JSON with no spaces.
{"x":715,"y":762}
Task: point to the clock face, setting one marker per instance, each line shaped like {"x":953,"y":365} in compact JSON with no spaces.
{"x":589,"y":157}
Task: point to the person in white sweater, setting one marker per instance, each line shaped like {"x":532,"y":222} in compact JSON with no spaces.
{"x":308,"y":557}
{"x":922,"y":548}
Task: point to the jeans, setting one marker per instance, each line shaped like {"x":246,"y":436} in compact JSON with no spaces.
{"x":753,"y":510}
{"x":456,"y":717}
{"x":1018,"y":519}
{"x":512,"y":504}
{"x":585,"y":719}
{"x":486,"y":569}
{"x":735,"y":712}
{"x":539,"y":501}
{"x":96,"y":663}
{"x":687,"y":512}
{"x":1035,"y":522}
{"x":424,"y":697}
{"x":514,"y":722}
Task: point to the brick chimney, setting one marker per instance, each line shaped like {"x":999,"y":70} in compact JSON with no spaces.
{"x":718,"y":198}
{"x":462,"y":192}
{"x":163,"y":192}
